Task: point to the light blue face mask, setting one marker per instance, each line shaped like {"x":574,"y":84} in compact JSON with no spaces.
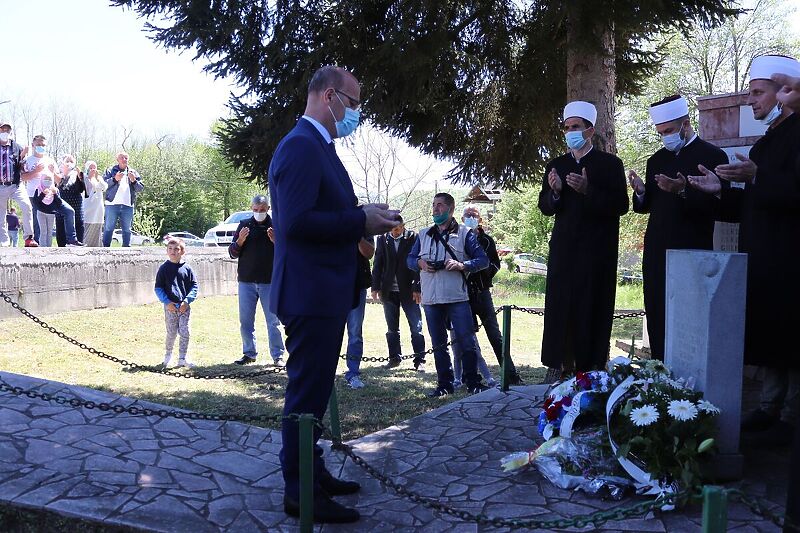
{"x":575,"y":140}
{"x":771,"y":116}
{"x":39,"y":149}
{"x":471,"y":222}
{"x":349,"y":122}
{"x":674,"y":141}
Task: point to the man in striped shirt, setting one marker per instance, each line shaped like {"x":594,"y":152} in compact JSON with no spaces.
{"x":11,"y":157}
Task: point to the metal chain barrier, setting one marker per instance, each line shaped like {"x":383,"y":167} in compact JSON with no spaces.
{"x":414,"y":355}
{"x":757,"y":508}
{"x":540,"y":312}
{"x":597,"y":518}
{"x":139,"y":411}
{"x":135,"y":366}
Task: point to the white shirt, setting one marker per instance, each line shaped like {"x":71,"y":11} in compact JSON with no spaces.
{"x":30,"y":163}
{"x":320,"y":128}
{"x":123,"y":196}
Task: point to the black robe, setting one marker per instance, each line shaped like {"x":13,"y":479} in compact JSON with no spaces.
{"x":675,"y":222}
{"x":582,"y":265}
{"x":769,"y":232}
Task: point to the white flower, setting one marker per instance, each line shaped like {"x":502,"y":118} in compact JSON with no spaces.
{"x":562,"y":389}
{"x":644,"y":415}
{"x":682,"y":410}
{"x":708,"y":407}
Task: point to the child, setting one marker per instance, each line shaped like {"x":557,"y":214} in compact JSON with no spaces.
{"x":176,"y":288}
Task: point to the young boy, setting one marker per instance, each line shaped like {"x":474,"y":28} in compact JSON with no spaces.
{"x":176,"y":288}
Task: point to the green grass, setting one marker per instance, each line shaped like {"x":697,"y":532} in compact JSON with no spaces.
{"x":137,"y":335}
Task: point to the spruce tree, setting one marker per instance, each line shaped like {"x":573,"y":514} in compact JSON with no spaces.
{"x":482,"y":82}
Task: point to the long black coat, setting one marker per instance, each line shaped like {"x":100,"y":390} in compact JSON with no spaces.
{"x":675,"y":222}
{"x":582,"y":265}
{"x":389,"y":263}
{"x":769,"y":214}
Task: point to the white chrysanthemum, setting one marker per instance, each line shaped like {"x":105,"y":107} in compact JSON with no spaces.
{"x":644,"y":415}
{"x":682,"y":410}
{"x":563,"y":389}
{"x":708,"y":407}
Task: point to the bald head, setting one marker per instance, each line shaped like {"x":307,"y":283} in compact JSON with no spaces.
{"x":331,"y":90}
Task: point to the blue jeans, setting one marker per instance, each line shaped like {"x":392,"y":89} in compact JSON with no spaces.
{"x":355,"y":340}
{"x":457,"y":367}
{"x":459,"y":314}
{"x":391,"y":312}
{"x":249,"y":295}
{"x":66,"y":213}
{"x":125,"y":215}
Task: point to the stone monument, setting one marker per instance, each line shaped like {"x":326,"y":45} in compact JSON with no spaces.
{"x":705,"y":338}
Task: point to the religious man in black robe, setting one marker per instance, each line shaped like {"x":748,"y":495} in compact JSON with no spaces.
{"x":586,"y":191}
{"x":680,"y":217}
{"x":764,"y":198}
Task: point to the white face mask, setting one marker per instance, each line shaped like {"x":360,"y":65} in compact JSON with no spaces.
{"x":771,"y":116}
{"x":260,"y":217}
{"x":4,"y":136}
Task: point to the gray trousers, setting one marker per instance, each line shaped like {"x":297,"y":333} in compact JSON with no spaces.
{"x":177,"y":324}
{"x":20,"y":196}
{"x":780,"y":394}
{"x":92,"y":235}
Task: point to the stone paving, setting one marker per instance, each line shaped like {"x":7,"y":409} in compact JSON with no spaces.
{"x":172,"y":475}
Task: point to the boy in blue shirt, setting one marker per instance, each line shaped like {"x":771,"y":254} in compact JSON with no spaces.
{"x":176,"y":288}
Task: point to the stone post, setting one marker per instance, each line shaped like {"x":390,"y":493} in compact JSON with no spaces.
{"x":705,"y":338}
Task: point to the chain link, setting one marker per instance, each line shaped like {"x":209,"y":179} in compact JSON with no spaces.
{"x":144,"y":411}
{"x":540,"y":312}
{"x":414,"y":355}
{"x":597,"y":518}
{"x":756,"y":506}
{"x":135,"y":366}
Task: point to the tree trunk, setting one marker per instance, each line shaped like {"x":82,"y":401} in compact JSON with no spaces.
{"x":591,"y":72}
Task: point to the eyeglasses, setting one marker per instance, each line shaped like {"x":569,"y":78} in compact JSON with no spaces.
{"x":354,"y":103}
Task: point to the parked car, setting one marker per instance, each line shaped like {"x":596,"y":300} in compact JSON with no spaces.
{"x":189,"y":238}
{"x":627,"y":276}
{"x":222,"y":233}
{"x":530,"y":264}
{"x":137,"y":239}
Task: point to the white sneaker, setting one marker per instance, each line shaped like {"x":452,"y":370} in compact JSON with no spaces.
{"x":355,"y":383}
{"x":166,"y":359}
{"x":278,"y":362}
{"x":185,"y":363}
{"x":491,"y":383}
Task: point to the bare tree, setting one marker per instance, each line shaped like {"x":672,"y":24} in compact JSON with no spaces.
{"x":383,"y":168}
{"x":721,"y":57}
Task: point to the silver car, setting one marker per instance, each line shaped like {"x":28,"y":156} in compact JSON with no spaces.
{"x":222,"y":233}
{"x":530,"y":264}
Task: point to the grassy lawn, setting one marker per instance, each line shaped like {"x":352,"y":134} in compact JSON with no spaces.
{"x":137,"y":335}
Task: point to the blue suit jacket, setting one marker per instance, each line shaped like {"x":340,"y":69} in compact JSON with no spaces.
{"x":317,"y":227}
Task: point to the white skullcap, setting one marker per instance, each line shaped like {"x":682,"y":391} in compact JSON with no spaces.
{"x":581,"y":109}
{"x":672,"y":110}
{"x":765,"y":66}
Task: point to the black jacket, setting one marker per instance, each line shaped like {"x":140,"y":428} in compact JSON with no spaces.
{"x":482,"y":279}
{"x":390,"y":263}
{"x":256,"y":254}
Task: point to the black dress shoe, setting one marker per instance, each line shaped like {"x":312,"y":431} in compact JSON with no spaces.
{"x":245,"y":360}
{"x":439,"y":392}
{"x":515,"y":380}
{"x":393,"y":363}
{"x":326,"y":511}
{"x":338,"y":487}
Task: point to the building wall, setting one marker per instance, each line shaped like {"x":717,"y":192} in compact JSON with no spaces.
{"x":53,"y":280}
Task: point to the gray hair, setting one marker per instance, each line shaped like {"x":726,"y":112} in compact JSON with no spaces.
{"x":259,"y":199}
{"x":471,"y":206}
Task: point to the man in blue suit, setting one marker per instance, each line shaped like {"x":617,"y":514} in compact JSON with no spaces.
{"x":317,"y":225}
